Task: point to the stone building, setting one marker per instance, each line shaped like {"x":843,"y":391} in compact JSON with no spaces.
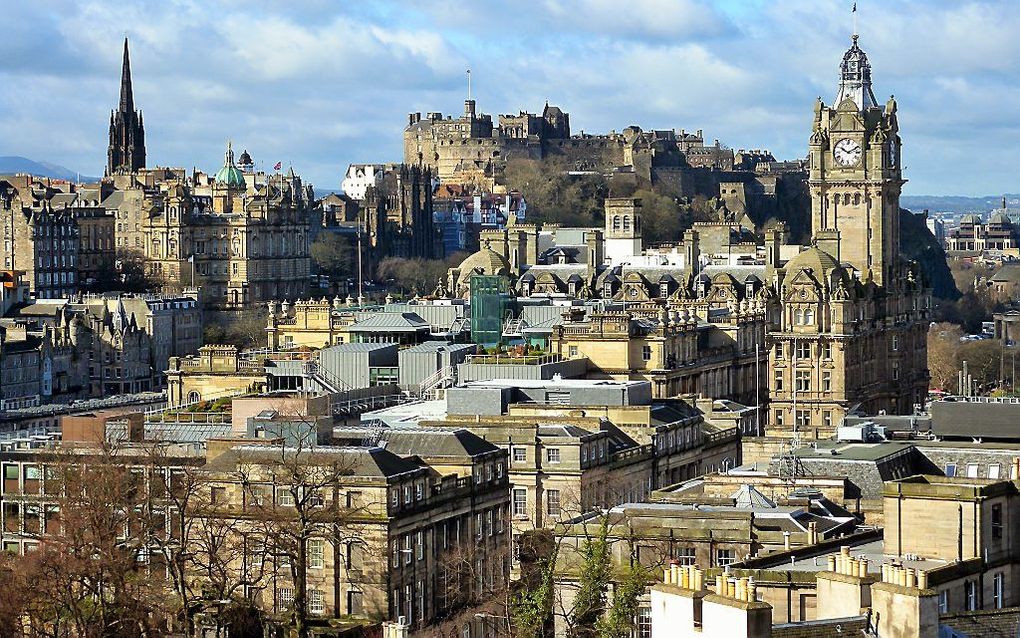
{"x":852,"y":320}
{"x":471,"y":149}
{"x":126,"y":153}
{"x":390,"y":538}
{"x":577,"y":444}
{"x":717,"y":356}
{"x":38,"y":238}
{"x":975,"y":237}
{"x":398,"y":214}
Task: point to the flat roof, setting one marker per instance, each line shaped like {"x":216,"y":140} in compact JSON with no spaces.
{"x":558,"y":383}
{"x":873,"y":550}
{"x":408,"y":413}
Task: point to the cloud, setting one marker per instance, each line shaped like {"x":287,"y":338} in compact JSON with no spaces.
{"x":322,"y":84}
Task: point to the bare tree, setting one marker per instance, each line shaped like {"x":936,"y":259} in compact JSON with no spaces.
{"x":296,"y":505}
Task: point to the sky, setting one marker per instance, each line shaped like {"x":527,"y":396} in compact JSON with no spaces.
{"x":319,"y":84}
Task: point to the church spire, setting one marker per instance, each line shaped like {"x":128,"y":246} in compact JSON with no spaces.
{"x":127,"y":98}
{"x":126,"y":153}
{"x":855,"y":78}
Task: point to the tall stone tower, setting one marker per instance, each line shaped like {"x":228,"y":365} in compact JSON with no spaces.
{"x":623,"y":229}
{"x":850,"y":331}
{"x":127,"y":131}
{"x":855,"y":178}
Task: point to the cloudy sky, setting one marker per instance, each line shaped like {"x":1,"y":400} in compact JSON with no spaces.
{"x":322,"y":83}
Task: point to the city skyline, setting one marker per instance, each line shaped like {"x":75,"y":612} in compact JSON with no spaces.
{"x":296,"y":89}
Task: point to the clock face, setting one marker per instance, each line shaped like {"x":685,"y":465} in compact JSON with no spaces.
{"x":847,"y":152}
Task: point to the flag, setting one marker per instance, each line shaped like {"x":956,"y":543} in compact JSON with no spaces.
{"x":191,"y":259}
{"x":855,"y":8}
{"x":278,"y":166}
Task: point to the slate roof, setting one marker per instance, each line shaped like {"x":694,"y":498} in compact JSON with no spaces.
{"x":990,"y":623}
{"x":983,"y":420}
{"x":358,"y":461}
{"x":390,"y":322}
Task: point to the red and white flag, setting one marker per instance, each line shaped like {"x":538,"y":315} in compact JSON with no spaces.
{"x":278,"y":166}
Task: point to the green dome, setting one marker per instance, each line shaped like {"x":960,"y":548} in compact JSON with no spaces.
{"x":230,"y":174}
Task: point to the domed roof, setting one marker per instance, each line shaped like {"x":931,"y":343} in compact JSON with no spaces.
{"x":230,"y":174}
{"x":970,"y":219}
{"x":998,"y":218}
{"x":815,"y":259}
{"x":245,"y":159}
{"x":487,"y":262}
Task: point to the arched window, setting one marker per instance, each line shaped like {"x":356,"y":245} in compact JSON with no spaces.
{"x":809,"y":317}
{"x":616,"y":222}
{"x":194,"y":397}
{"x":798,"y":317}
{"x":626,"y":222}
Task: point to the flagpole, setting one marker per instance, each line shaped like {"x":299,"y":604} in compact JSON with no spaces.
{"x":855,"y":19}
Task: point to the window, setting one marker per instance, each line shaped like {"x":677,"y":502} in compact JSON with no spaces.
{"x":779,"y":417}
{"x":944,"y":601}
{"x":572,"y":351}
{"x":827,"y":350}
{"x":779,"y":381}
{"x":407,"y":494}
{"x":520,"y":501}
{"x":646,"y":353}
{"x":488,"y":523}
{"x":725,"y":557}
{"x":355,"y":602}
{"x":520,"y":454}
{"x":895,"y":343}
{"x":408,"y":553}
{"x":997,"y":521}
{"x":316,"y":602}
{"x":803,"y":349}
{"x":479,"y":530}
{"x":970,"y":594}
{"x":803,"y":418}
{"x":284,"y":497}
{"x":802,"y":380}
{"x":686,"y":555}
{"x":895,"y":370}
{"x":552,"y":502}
{"x":217,"y":495}
{"x":827,"y":418}
{"x":993,"y":471}
{"x":316,"y":553}
{"x":972,"y":470}
{"x":419,"y":543}
{"x":284,"y":598}
{"x":552,"y":455}
{"x":419,"y":491}
{"x":997,"y":590}
{"x":644,"y":623}
{"x":395,"y":497}
{"x":950,"y":470}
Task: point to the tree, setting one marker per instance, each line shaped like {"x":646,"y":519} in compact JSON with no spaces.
{"x":943,"y":345}
{"x":412,"y":276}
{"x":307,"y":511}
{"x":334,"y":255}
{"x":661,"y":217}
{"x":619,"y":622}
{"x":596,"y":570}
{"x":984,"y":362}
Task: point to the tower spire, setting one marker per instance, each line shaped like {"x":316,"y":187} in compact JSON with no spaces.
{"x":127,"y":98}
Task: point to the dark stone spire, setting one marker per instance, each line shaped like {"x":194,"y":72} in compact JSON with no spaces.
{"x":127,"y":99}
{"x":126,"y":153}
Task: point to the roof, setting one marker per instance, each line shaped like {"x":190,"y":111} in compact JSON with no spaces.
{"x":487,"y":262}
{"x":815,"y":259}
{"x":748,"y":497}
{"x":359,"y":347}
{"x":826,"y":628}
{"x":423,"y":442}
{"x":1008,"y":274}
{"x":357,"y":461}
{"x":976,"y":419}
{"x":436,"y":346}
{"x":987,"y":623}
{"x":390,"y":322}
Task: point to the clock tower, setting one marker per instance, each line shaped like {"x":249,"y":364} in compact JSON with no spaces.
{"x":849,"y":331}
{"x":855,"y":177}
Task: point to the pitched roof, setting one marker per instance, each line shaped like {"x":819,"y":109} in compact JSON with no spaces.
{"x":390,"y":322}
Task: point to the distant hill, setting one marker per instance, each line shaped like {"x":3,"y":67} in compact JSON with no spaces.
{"x":11,"y":164}
{"x":957,"y":203}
